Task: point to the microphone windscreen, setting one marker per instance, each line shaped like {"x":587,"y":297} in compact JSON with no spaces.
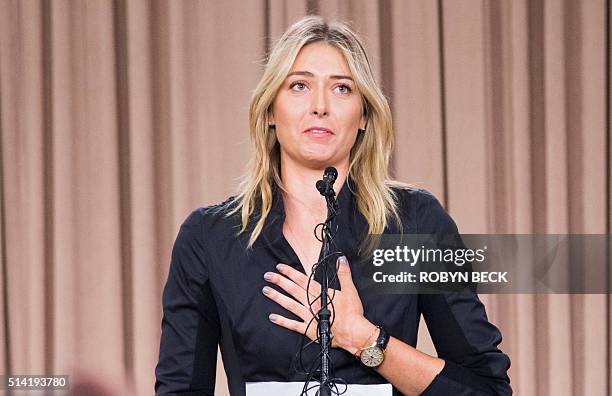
{"x":330,"y":173}
{"x":321,"y":186}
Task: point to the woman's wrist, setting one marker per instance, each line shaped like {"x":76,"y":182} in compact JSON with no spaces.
{"x":363,"y":334}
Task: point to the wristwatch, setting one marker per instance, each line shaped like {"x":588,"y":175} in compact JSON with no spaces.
{"x":373,"y":355}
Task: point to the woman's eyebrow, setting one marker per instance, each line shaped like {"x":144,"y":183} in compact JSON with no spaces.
{"x":309,"y":74}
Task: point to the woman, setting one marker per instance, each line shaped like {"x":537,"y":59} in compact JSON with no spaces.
{"x":317,"y":105}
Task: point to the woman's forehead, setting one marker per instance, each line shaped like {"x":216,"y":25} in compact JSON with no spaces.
{"x":321,"y":59}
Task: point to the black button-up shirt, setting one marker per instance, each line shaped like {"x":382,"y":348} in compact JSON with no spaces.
{"x":213,"y":297}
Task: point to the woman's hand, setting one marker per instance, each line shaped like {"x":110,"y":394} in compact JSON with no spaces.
{"x":350,"y":330}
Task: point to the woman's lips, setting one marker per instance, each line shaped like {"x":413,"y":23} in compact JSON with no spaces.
{"x":318,"y":132}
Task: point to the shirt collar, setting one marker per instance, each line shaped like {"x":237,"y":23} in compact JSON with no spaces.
{"x":344,"y":198}
{"x":348,"y":215}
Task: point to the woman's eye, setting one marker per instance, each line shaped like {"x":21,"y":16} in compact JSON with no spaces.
{"x":344,"y":89}
{"x":300,"y":86}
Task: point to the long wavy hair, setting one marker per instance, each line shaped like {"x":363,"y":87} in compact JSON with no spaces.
{"x":369,"y":157}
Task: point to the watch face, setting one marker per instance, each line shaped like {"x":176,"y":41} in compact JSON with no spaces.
{"x":372,"y":357}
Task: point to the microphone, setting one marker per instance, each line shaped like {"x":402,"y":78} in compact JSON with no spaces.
{"x":325,"y":186}
{"x":330,"y":174}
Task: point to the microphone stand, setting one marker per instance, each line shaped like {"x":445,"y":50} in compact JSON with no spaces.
{"x":325,"y":187}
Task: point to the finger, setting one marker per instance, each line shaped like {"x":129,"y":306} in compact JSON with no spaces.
{"x":344,"y":274}
{"x":298,"y":327}
{"x":287,"y":302}
{"x":299,"y":278}
{"x":289,"y":286}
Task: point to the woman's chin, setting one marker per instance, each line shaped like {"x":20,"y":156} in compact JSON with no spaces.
{"x":319,"y":162}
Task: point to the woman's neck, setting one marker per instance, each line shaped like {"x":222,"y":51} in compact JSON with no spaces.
{"x":302,"y":199}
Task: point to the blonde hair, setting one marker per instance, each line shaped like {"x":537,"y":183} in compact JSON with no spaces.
{"x":369,"y":157}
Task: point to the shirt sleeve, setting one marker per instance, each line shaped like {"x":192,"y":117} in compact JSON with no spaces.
{"x":459,"y":327}
{"x":190,"y":325}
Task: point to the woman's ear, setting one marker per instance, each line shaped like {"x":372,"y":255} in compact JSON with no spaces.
{"x":271,"y":117}
{"x":364,"y":117}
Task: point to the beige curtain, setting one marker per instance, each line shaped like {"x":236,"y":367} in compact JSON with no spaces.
{"x":119,"y":117}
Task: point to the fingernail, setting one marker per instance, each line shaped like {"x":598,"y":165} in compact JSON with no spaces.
{"x":267,"y":276}
{"x":273,"y":317}
{"x":280,"y":267}
{"x":266,"y":290}
{"x":342,"y":260}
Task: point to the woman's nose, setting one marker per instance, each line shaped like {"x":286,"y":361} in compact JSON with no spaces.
{"x":320,"y":105}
